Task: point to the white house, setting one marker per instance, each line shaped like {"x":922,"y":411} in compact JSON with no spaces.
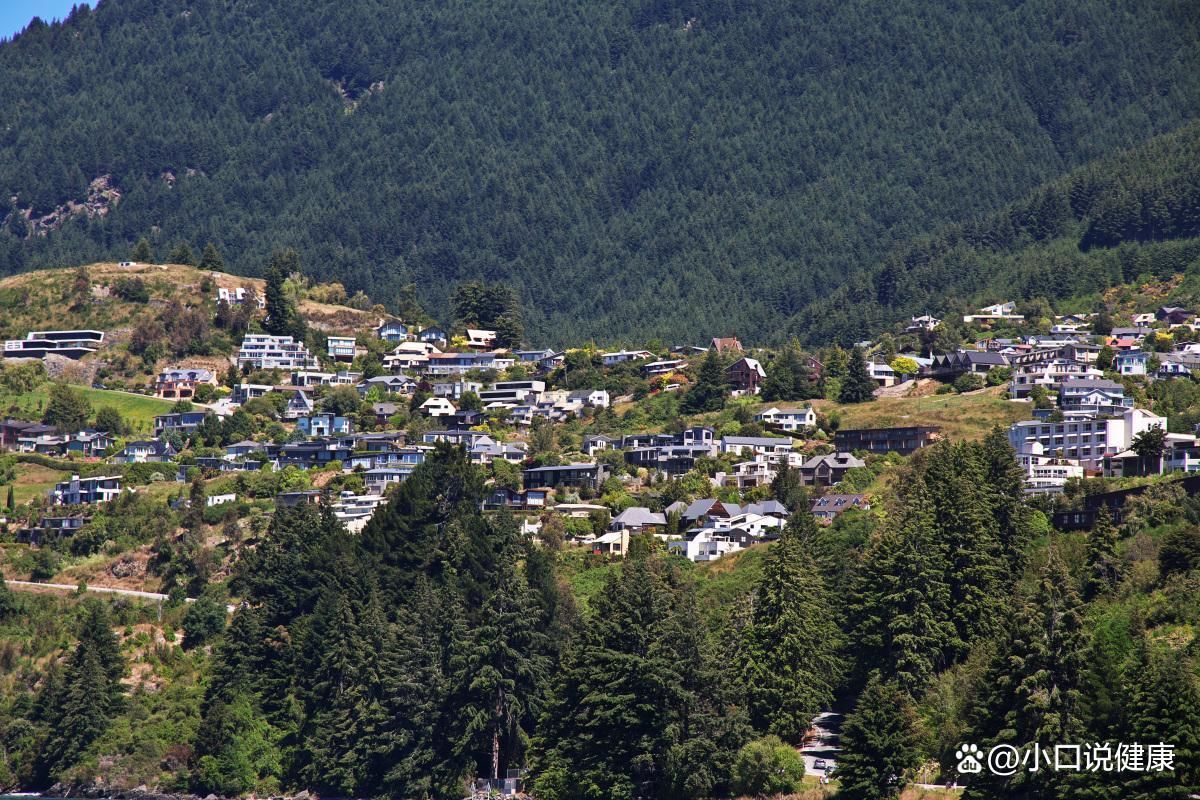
{"x":995,"y":313}
{"x":882,"y":374}
{"x":481,"y":339}
{"x":438,"y":407}
{"x":621,"y":356}
{"x":925,"y":322}
{"x":792,"y":420}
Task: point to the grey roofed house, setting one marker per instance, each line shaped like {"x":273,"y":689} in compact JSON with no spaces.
{"x":831,"y":505}
{"x":767,"y":508}
{"x":678,"y":507}
{"x":710,"y":506}
{"x":1122,"y":333}
{"x":636,"y":518}
{"x":398,"y":384}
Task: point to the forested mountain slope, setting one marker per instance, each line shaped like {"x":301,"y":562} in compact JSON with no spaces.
{"x":1121,"y":218}
{"x":629,"y":166}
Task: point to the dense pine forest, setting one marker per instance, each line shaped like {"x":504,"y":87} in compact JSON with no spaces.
{"x":629,"y":168}
{"x":442,"y":644}
{"x":1128,"y":218}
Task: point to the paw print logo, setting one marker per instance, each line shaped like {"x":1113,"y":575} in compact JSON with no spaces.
{"x":969,"y":759}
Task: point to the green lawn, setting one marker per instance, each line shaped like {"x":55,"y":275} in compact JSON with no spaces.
{"x":34,"y":480}
{"x":960,"y":416}
{"x":139,"y":411}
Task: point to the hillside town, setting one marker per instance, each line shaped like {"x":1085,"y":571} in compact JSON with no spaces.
{"x":351,"y":415}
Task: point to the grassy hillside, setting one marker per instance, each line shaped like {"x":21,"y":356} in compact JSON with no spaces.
{"x":961,"y":416}
{"x":139,"y":411}
{"x":46,"y":299}
{"x":741,"y":161}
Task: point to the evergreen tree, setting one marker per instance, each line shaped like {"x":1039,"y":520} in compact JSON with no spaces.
{"x":966,"y":525}
{"x":90,"y":694}
{"x":1032,"y":691}
{"x":210,"y":259}
{"x":413,"y":683}
{"x":283,"y":319}
{"x":236,"y":748}
{"x":510,"y":329}
{"x":789,"y":377}
{"x":620,"y":720}
{"x":142,"y":253}
{"x":503,"y":670}
{"x":879,"y":743}
{"x":10,"y":502}
{"x":711,"y":387}
{"x":1164,"y":707}
{"x":182,"y":254}
{"x":339,"y":688}
{"x":857,"y":386}
{"x":788,"y":488}
{"x":109,"y":420}
{"x":789,"y":661}
{"x":8,"y":601}
{"x":1006,"y":481}
{"x":1103,"y":571}
{"x":900,"y":608}
{"x":67,"y":409}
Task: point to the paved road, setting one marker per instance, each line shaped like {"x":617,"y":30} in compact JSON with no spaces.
{"x":104,"y":589}
{"x":827,"y":727}
{"x":66,"y":587}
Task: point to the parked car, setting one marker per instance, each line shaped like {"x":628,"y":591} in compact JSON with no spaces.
{"x":820,"y":764}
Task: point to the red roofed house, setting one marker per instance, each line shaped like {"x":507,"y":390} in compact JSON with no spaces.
{"x":729,"y":344}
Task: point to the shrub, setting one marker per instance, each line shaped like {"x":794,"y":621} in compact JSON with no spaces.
{"x":767,"y":766}
{"x":132,"y":290}
{"x":46,"y":564}
{"x":968,"y":382}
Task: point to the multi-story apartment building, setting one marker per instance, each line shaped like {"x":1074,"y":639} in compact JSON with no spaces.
{"x":1097,"y":397}
{"x":1045,"y":474}
{"x":1050,"y":375}
{"x":341,"y":348}
{"x":260,"y":351}
{"x":902,"y":440}
{"x":1084,"y":439}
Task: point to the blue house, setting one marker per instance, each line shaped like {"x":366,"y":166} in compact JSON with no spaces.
{"x":324,"y":425}
{"x":434,"y":335}
{"x":393,"y":331}
{"x":1132,"y":362}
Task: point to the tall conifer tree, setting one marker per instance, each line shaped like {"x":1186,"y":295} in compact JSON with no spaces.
{"x":790,"y":660}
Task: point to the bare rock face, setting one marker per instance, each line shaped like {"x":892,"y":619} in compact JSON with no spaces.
{"x":126,"y":568}
{"x":103,"y":195}
{"x":68,"y":369}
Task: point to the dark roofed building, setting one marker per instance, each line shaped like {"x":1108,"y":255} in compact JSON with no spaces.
{"x":963,"y":362}
{"x":574,"y":475}
{"x":887,"y":440}
{"x":828,"y":507}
